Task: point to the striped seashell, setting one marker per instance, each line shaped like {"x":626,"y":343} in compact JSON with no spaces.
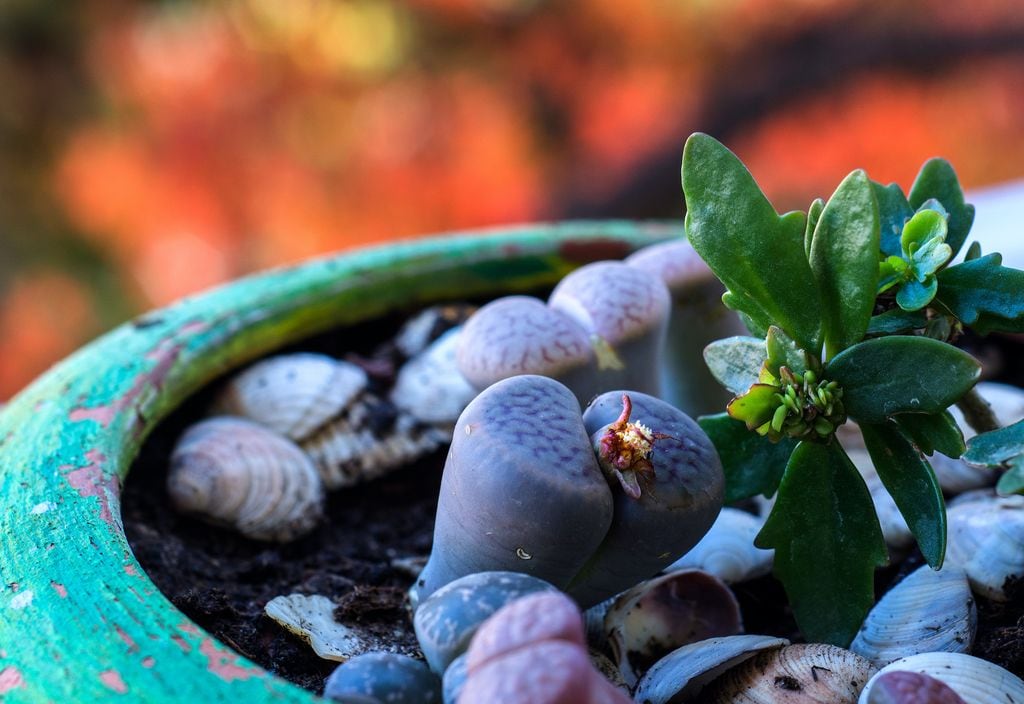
{"x":430,"y":388}
{"x":986,"y":538}
{"x":727,"y":550}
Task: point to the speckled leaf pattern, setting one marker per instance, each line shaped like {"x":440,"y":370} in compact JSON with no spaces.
{"x":827,"y":542}
{"x":913,"y":486}
{"x":901,"y":374}
{"x":938,"y":180}
{"x":752,"y":464}
{"x":757,"y":253}
{"x":844,"y":260}
{"x":985,"y":295}
{"x":735,"y":362}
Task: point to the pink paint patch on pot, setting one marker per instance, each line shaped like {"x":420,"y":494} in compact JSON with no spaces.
{"x":148,"y":662}
{"x":61,"y":590}
{"x":10,"y":678}
{"x":223,"y":664}
{"x":92,"y":480}
{"x":132,"y":646}
{"x":190,"y":628}
{"x":112,"y":680}
{"x":131,"y":571}
{"x":103,"y":415}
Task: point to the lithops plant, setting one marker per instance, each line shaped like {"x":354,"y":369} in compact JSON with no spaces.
{"x":683,"y":674}
{"x":590,"y":503}
{"x":697,"y":319}
{"x":902,"y":687}
{"x":235,"y":473}
{"x":928,"y":611}
{"x":383,"y":678}
{"x":602,"y":328}
{"x":975,"y":680}
{"x":812,"y":672}
{"x":986,"y":538}
{"x":655,"y":617}
{"x":727,"y":550}
{"x":532,"y":651}
{"x":446,"y":621}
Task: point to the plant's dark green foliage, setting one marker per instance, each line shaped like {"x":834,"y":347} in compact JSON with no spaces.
{"x":984,"y":295}
{"x":933,"y":432}
{"x":913,"y":486}
{"x":893,"y":213}
{"x":784,"y":352}
{"x":844,"y":259}
{"x":938,"y":180}
{"x":752,"y":464}
{"x":901,"y":374}
{"x":756,"y":253}
{"x":996,"y":447}
{"x":896,"y":321}
{"x":827,"y":542}
{"x":813,"y":215}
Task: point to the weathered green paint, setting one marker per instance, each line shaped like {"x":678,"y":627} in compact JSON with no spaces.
{"x":79,"y":620}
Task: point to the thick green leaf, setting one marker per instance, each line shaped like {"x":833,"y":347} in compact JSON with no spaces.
{"x":1012,"y":480}
{"x":757,"y":254}
{"x":913,"y":486}
{"x":813,"y":215}
{"x":735,"y":361}
{"x":924,"y":226}
{"x":938,"y":180}
{"x":933,"y":432}
{"x":827,"y":542}
{"x":901,"y":374}
{"x":844,"y":259}
{"x":997,"y":446}
{"x":753,"y":464}
{"x":784,"y":352}
{"x":756,"y":406}
{"x":984,"y":295}
{"x":973,"y":252}
{"x":893,"y":213}
{"x":897,"y":320}
{"x":914,"y":295}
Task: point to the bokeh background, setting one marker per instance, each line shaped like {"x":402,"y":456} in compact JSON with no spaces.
{"x":152,"y":149}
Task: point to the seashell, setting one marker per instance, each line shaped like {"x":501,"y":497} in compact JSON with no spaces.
{"x":977,"y":681}
{"x":422,"y":329}
{"x":902,"y":687}
{"x":446,"y":621}
{"x":685,"y":672}
{"x":312,"y":619}
{"x":659,"y":615}
{"x":454,"y":680}
{"x":895,"y":530}
{"x":727,"y":550}
{"x":293,"y":394}
{"x":367,"y":441}
{"x":812,"y":672}
{"x":383,"y":678}
{"x":430,"y":388}
{"x":986,"y":538}
{"x":233,"y":472}
{"x":603,"y":664}
{"x":928,"y":611}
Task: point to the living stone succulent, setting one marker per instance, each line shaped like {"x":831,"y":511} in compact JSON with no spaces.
{"x":591,"y":504}
{"x":383,"y":678}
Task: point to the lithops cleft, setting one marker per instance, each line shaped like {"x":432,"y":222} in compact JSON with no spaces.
{"x":235,"y":473}
{"x":602,"y":328}
{"x":523,"y":490}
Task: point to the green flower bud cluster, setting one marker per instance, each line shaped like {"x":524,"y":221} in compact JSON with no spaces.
{"x":808,"y":408}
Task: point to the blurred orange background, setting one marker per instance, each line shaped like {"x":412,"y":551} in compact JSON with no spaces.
{"x":152,"y":149}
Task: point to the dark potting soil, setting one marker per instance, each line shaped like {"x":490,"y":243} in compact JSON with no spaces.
{"x":359,"y":555}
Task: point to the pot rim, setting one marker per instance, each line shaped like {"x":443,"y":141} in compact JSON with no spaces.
{"x":79,"y":618}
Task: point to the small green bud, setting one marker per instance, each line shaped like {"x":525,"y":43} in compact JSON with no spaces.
{"x":779,"y":418}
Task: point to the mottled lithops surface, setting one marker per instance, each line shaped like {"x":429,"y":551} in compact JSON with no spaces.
{"x":902,"y":687}
{"x":383,"y":678}
{"x":975,"y":680}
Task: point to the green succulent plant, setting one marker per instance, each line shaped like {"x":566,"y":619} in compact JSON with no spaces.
{"x":852,"y":308}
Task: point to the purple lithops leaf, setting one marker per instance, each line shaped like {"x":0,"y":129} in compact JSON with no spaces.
{"x":521,"y":489}
{"x":530,"y":619}
{"x":680,"y":496}
{"x":901,"y":687}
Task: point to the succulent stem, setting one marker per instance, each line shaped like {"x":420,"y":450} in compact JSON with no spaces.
{"x":624,"y":451}
{"x":977,"y":412}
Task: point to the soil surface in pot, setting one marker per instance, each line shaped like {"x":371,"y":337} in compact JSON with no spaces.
{"x":359,"y":554}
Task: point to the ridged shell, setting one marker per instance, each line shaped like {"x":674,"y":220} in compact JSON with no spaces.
{"x":727,"y":550}
{"x":986,"y":538}
{"x":683,"y":673}
{"x":430,"y":387}
{"x":657,"y":616}
{"x":357,"y":447}
{"x":422,"y":329}
{"x":977,"y":681}
{"x":928,"y":611}
{"x":797,"y":673}
{"x":293,"y":394}
{"x":233,"y":472}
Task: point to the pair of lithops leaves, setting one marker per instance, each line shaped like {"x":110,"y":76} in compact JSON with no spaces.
{"x":591,"y":502}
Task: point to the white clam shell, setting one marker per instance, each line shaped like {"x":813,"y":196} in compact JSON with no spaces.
{"x":796,"y":673}
{"x":986,"y":538}
{"x":659,"y":615}
{"x":430,"y":388}
{"x":683,"y":673}
{"x":977,"y":681}
{"x":293,"y":394}
{"x":312,"y":619}
{"x":233,"y":472}
{"x":727,"y":550}
{"x":350,"y":449}
{"x":928,"y":611}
